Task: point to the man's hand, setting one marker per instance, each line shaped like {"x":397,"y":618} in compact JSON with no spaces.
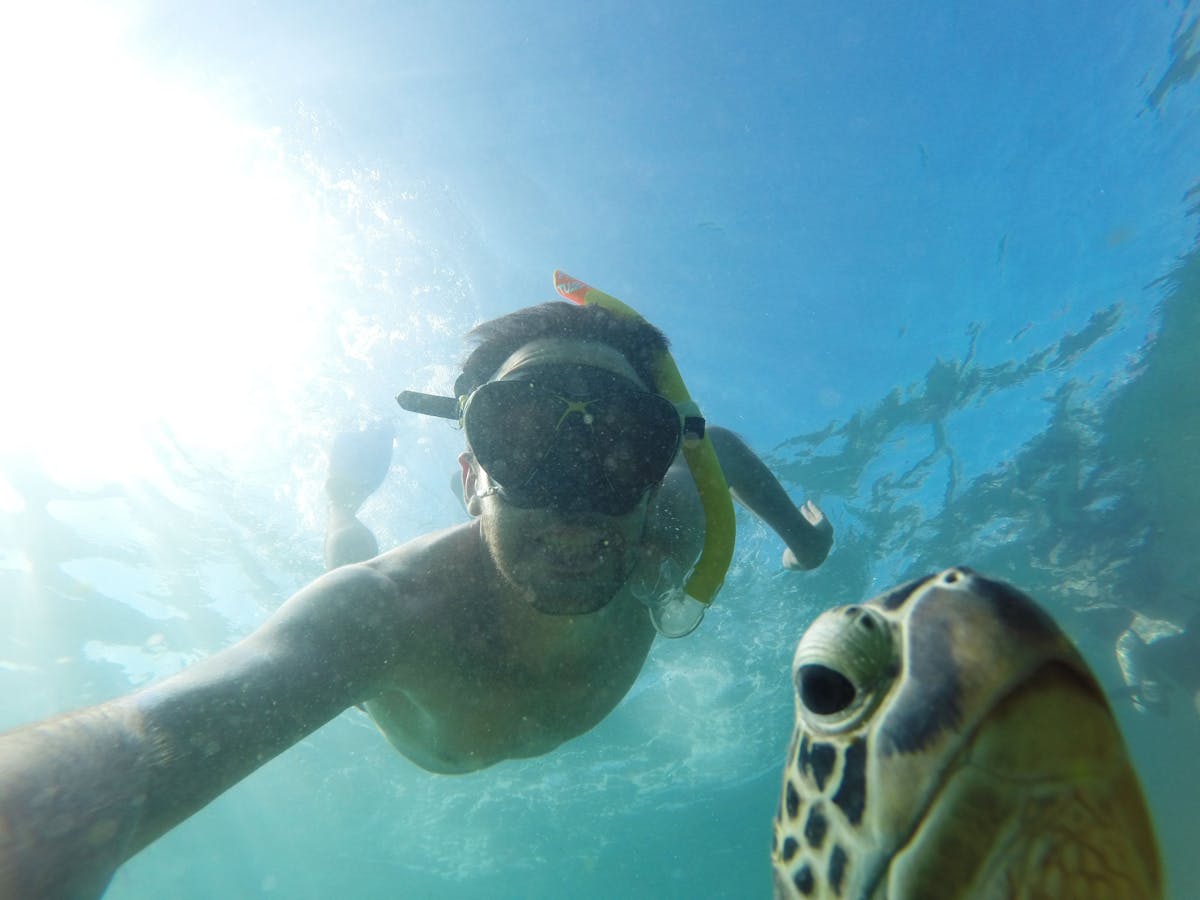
{"x":817,"y":542}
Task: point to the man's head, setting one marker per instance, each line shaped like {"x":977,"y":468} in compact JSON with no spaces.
{"x":639,"y":342}
{"x":567,"y":441}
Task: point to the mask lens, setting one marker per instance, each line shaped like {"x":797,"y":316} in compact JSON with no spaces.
{"x":510,"y":427}
{"x":636,"y":437}
{"x":546,"y":451}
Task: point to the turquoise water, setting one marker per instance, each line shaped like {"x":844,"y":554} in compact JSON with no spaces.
{"x":939,"y":266}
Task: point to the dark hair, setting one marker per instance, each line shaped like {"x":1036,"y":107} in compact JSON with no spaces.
{"x":496,"y":340}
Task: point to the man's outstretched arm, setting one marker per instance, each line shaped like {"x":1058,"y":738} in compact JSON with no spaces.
{"x":81,"y":793}
{"x":804,"y":529}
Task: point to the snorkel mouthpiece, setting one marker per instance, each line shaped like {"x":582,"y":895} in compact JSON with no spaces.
{"x":677,"y":611}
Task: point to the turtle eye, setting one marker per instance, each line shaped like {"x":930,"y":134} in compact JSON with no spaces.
{"x":845,"y":663}
{"x":823,"y":690}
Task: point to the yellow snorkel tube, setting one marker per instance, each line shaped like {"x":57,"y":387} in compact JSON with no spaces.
{"x":678,"y":611}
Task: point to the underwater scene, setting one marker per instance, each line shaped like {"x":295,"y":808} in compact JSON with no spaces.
{"x":938,"y":266}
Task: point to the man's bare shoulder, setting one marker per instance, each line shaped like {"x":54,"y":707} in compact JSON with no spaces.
{"x":450,"y":553}
{"x":383,"y":601}
{"x":380,"y":616}
{"x":434,"y":579}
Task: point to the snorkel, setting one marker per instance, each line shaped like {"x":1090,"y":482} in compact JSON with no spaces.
{"x":677,"y":611}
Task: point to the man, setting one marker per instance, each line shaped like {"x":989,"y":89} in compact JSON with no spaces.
{"x":498,"y":638}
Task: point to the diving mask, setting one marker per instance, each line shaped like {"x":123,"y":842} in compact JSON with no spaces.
{"x":598,"y":447}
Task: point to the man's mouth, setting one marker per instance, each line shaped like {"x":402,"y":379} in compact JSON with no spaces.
{"x":576,"y":547}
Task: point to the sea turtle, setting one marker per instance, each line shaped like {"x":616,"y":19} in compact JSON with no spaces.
{"x":950,"y":742}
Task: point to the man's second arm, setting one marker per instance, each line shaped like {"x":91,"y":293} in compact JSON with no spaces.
{"x":804,"y":529}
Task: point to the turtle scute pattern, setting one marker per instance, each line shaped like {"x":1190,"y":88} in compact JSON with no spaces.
{"x":950,"y":742}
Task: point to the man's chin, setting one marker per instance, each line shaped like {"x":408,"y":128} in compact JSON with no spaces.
{"x":566,"y":603}
{"x":556,"y":588}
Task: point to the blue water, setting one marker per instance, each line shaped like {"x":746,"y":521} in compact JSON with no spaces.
{"x":938,"y":265}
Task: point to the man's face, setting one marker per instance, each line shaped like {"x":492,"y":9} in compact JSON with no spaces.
{"x":568,"y":560}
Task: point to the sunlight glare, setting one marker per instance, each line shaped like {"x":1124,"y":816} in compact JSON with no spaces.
{"x":163,"y":257}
